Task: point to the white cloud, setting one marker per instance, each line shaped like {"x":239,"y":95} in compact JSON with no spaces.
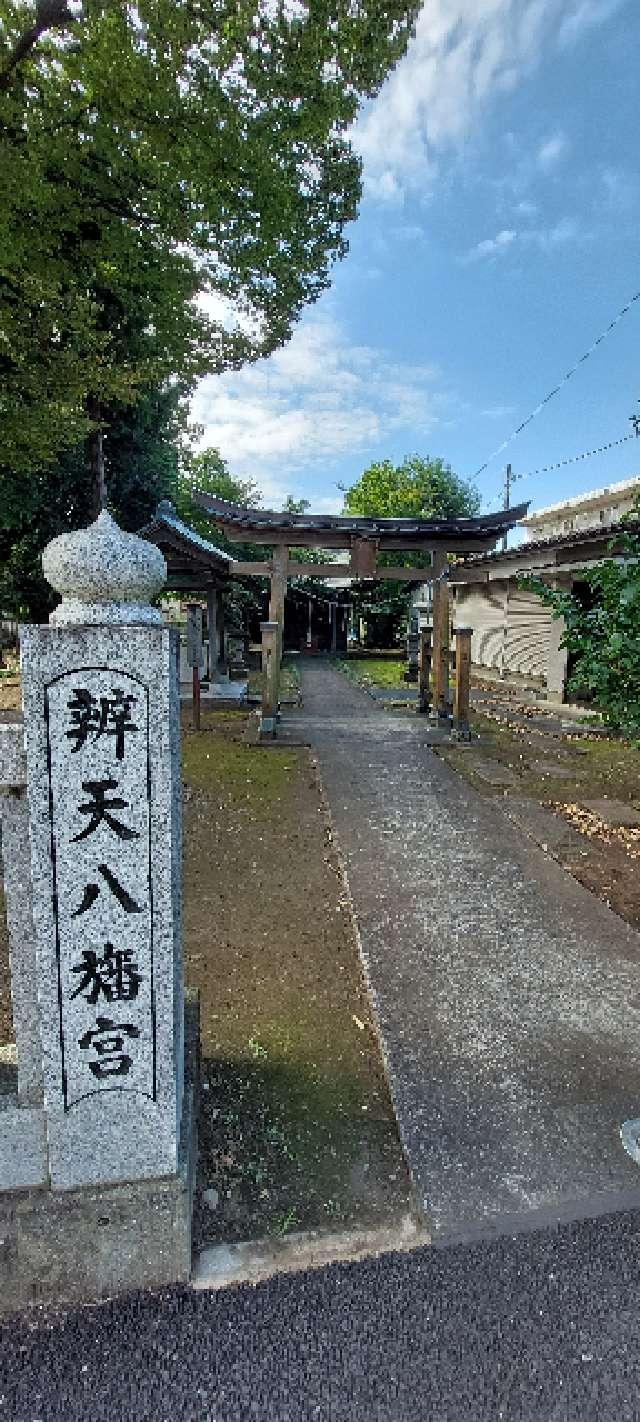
{"x":584,"y":16}
{"x":563,"y":231}
{"x":329,"y":504}
{"x":407,"y":232}
{"x":498,"y":412}
{"x":463,"y":55}
{"x":552,"y":151}
{"x":491,"y":245}
{"x":310,"y":403}
{"x":546,"y":238}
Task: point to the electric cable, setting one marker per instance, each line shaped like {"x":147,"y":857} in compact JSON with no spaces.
{"x":566,"y":377}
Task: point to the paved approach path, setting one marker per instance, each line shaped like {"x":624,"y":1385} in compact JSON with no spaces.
{"x":507,"y":996}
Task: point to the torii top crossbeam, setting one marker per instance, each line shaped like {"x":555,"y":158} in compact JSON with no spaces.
{"x":257,"y":525}
{"x":363,"y":537}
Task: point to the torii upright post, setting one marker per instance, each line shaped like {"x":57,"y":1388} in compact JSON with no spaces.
{"x":280,"y":567}
{"x":424,"y":670}
{"x":461,"y":729}
{"x":440,"y":651}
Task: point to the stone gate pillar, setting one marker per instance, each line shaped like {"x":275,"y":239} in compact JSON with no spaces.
{"x":101,"y":719}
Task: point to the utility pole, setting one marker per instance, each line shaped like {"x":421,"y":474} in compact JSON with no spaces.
{"x":507,"y":499}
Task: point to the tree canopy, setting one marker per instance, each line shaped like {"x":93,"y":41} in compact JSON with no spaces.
{"x":208,"y":473}
{"x":418,"y":488}
{"x":176,"y":178}
{"x":142,"y":451}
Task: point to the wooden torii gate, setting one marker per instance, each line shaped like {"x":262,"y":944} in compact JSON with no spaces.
{"x":363,"y":539}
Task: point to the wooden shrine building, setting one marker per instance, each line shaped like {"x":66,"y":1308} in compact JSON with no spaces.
{"x":196,"y":568}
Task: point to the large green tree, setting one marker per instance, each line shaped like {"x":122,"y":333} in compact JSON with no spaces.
{"x":142,"y":459}
{"x":208,"y":473}
{"x":417,"y":488}
{"x":185,"y":159}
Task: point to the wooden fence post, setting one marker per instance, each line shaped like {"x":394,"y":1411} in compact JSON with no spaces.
{"x":424,"y":670}
{"x":463,"y":682}
{"x":195,"y":656}
{"x":270,"y":677}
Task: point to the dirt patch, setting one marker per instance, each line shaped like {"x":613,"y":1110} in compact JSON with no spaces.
{"x":296,"y":1126}
{"x":10,"y":699}
{"x":560,"y":771}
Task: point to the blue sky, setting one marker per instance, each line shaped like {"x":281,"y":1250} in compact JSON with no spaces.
{"x":497,"y":237}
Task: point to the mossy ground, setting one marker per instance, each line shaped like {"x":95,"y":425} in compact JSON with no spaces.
{"x":375,"y":671}
{"x":296,"y":1126}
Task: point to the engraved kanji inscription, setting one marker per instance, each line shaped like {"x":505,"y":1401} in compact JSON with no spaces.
{"x":93,"y":717}
{"x":107,"y":1039}
{"x":100,"y":810}
{"x":113,"y":975}
{"x":92,"y":892}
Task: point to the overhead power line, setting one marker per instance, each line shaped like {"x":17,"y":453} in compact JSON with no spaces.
{"x":574,"y":458}
{"x":567,"y":376}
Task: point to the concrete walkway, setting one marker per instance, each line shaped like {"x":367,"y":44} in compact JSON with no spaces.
{"x":507,"y":996}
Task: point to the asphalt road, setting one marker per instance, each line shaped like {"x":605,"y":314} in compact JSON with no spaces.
{"x":543,"y":1326}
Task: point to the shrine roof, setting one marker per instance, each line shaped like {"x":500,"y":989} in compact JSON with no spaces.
{"x":188,"y":554}
{"x":587,"y":539}
{"x":293,"y":527}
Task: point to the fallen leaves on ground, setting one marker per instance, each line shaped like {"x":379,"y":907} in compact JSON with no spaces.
{"x":590,"y":824}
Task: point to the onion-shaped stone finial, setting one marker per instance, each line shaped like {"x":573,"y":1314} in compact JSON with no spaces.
{"x":104,"y":575}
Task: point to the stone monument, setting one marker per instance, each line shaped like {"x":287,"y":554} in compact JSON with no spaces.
{"x":102,"y":735}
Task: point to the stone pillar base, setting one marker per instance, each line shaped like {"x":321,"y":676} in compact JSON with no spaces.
{"x":77,"y":1245}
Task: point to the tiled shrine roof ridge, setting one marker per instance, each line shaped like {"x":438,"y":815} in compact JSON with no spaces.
{"x":188,"y":554}
{"x":237,"y":519}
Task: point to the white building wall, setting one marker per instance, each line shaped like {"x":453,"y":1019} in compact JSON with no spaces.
{"x":601,"y":506}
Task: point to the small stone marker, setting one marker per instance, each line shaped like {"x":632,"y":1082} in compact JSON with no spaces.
{"x":195,"y":652}
{"x":270,"y":678}
{"x":102,"y":741}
